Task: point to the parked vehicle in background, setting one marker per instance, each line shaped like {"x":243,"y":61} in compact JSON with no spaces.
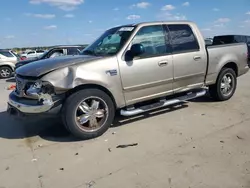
{"x":8,"y":59}
{"x":22,"y":58}
{"x":54,"y":52}
{"x":230,"y":39}
{"x":32,"y":54}
{"x":132,"y":68}
{"x":208,"y":41}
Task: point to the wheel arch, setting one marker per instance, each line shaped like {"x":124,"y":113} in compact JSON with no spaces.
{"x":233,"y":66}
{"x":92,"y":86}
{"x":215,"y":89}
{"x":7,"y":65}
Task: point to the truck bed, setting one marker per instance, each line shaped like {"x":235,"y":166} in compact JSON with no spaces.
{"x":219,"y":55}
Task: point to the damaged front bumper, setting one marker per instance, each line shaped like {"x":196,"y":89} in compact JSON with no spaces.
{"x":22,"y":106}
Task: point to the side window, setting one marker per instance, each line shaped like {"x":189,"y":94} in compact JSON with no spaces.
{"x":30,"y":53}
{"x":39,"y":51}
{"x":6,"y":54}
{"x":73,"y":51}
{"x":183,"y":39}
{"x":153,"y":40}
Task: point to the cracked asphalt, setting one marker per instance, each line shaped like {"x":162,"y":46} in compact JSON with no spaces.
{"x":201,"y":144}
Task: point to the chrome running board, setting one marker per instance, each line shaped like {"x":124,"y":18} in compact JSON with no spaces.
{"x":163,"y":103}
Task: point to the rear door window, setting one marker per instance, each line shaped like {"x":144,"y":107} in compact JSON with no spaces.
{"x":182,"y":38}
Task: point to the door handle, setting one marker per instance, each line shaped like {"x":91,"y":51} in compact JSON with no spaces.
{"x":163,"y":63}
{"x":196,"y":58}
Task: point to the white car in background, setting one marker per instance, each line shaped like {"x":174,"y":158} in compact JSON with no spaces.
{"x":33,"y":54}
{"x":8,"y":59}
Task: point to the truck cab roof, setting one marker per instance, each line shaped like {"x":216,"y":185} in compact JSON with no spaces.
{"x":157,"y":22}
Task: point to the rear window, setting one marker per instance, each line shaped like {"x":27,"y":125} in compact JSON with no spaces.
{"x":6,"y":54}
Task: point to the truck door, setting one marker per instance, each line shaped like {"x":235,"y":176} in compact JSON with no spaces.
{"x":189,"y":58}
{"x":150,"y":74}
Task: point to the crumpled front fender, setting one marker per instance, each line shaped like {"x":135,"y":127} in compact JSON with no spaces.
{"x":69,"y":78}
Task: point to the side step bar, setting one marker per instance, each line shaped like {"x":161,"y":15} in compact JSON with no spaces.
{"x":165,"y":103}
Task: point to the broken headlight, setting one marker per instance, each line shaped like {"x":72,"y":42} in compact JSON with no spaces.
{"x":36,"y":89}
{"x":47,"y":88}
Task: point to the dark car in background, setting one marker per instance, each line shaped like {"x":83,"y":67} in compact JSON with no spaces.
{"x":229,"y":39}
{"x":54,"y":52}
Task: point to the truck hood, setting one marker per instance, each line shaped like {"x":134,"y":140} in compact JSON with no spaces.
{"x":41,"y":67}
{"x":24,"y":62}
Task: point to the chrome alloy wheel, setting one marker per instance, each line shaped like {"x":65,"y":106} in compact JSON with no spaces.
{"x":227,"y":84}
{"x":91,"y":114}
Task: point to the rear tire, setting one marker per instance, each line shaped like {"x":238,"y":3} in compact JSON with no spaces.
{"x":5,"y":72}
{"x":88,"y":113}
{"x":225,"y":86}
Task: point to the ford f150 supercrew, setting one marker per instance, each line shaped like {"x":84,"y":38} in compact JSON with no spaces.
{"x":131,"y":68}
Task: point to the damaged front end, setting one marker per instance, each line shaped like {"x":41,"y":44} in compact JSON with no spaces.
{"x":33,"y":96}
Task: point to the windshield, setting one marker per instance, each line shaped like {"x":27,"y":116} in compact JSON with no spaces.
{"x":110,"y":42}
{"x":44,"y":55}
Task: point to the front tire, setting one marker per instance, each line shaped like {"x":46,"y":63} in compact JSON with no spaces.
{"x":88,"y":113}
{"x":5,"y":72}
{"x":225,"y":85}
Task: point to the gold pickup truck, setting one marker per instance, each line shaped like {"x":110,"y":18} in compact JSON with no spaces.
{"x":132,"y":69}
